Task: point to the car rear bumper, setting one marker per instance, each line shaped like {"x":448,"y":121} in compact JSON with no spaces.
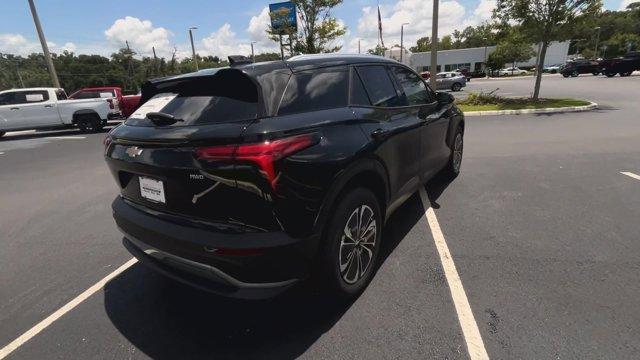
{"x":248,"y":265}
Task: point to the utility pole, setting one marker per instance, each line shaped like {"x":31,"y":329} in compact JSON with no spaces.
{"x":359,"y":46}
{"x":281,"y":49}
{"x":45,"y":47}
{"x":193,"y":48}
{"x":597,"y":41}
{"x":434,"y":47}
{"x":486,"y":70}
{"x":19,"y":75}
{"x":253,"y":55}
{"x":155,"y":61}
{"x":402,"y":40}
{"x":130,"y":65}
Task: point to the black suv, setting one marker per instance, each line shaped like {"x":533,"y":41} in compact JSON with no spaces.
{"x":244,"y":180}
{"x":580,"y":66}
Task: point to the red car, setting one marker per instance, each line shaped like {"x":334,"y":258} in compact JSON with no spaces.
{"x":121,"y":106}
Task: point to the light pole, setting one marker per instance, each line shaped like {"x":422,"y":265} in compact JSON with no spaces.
{"x":359,"y":46}
{"x":193,"y":48}
{"x":597,"y":40}
{"x":253,"y":55}
{"x":486,"y":70}
{"x":45,"y":47}
{"x":434,"y":46}
{"x":402,"y":40}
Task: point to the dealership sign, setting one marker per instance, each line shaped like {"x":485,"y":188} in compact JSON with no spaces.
{"x":283,"y":17}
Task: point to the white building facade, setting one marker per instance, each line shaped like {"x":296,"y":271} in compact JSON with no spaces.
{"x":473,"y":58}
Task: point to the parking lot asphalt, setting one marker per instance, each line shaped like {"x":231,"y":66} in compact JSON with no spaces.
{"x":541,"y":224}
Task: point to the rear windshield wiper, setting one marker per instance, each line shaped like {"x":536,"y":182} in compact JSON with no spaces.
{"x":162,"y":119}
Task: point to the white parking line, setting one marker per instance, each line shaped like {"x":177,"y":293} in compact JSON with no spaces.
{"x":475,"y":345}
{"x":630,"y":174}
{"x":9,"y":348}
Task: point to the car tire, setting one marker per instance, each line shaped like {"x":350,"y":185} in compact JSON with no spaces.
{"x":610,"y":74}
{"x":595,"y":73}
{"x":344,"y":252}
{"x":456,"y":87}
{"x":565,"y":75}
{"x":2,"y":133}
{"x":574,"y":74}
{"x":455,"y":159}
{"x":625,"y":74}
{"x":90,"y":123}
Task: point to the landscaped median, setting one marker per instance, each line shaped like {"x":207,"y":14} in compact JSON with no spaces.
{"x":478,"y":104}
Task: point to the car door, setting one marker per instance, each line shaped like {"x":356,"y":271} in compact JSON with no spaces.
{"x":10,"y":114}
{"x":393,"y":126}
{"x":39,"y":110}
{"x":418,"y":95}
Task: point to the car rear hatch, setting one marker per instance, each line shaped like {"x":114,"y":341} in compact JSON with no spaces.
{"x":175,"y":154}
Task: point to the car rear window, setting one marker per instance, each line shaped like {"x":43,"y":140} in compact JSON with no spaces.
{"x":94,"y":94}
{"x":316,"y":90}
{"x":229,"y":96}
{"x":379,"y":86}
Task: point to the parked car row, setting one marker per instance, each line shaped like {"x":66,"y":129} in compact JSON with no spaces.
{"x":49,"y":108}
{"x":623,"y":66}
{"x":37,"y":108}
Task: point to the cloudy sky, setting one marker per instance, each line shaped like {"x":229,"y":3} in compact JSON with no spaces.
{"x":224,"y":27}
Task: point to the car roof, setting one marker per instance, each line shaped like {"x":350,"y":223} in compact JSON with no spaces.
{"x":32,"y":89}
{"x":294,"y":64}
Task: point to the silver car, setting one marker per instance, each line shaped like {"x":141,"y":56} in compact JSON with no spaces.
{"x":452,"y":80}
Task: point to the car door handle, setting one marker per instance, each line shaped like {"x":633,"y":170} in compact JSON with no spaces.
{"x":380,"y":134}
{"x":48,"y":106}
{"x":15,"y":108}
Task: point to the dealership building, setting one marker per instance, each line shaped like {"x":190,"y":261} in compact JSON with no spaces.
{"x":473,"y":58}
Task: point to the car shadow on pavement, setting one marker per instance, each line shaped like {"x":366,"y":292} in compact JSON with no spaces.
{"x":165,"y":319}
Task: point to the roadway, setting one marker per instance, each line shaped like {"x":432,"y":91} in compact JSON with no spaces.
{"x":542,"y":227}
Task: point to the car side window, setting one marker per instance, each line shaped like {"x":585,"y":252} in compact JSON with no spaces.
{"x":358,"y":93}
{"x":414,"y":88}
{"x":35,"y":96}
{"x":379,"y":86}
{"x":316,"y":90}
{"x":8,"y":98}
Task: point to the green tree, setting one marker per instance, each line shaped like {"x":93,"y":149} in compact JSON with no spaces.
{"x":317,"y":28}
{"x":422,"y":45}
{"x":545,"y":21}
{"x":378,"y":50}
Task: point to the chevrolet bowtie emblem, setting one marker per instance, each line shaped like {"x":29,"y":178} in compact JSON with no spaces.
{"x":133,"y":151}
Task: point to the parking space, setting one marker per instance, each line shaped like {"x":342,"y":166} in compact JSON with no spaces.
{"x":541,"y":228}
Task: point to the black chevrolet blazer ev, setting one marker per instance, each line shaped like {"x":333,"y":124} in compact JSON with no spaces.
{"x":245,"y":180}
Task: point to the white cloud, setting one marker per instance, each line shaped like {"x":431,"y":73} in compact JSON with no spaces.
{"x":18,"y":44}
{"x":419,"y":15}
{"x":142,"y":36}
{"x":223,"y":42}
{"x":625,"y":3}
{"x":257,"y":31}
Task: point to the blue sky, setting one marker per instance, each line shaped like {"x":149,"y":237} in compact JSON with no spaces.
{"x":224,"y":27}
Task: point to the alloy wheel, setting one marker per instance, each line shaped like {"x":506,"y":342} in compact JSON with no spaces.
{"x":457,"y":152}
{"x":357,"y":244}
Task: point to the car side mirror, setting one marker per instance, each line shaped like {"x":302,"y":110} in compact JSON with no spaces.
{"x":444,"y":98}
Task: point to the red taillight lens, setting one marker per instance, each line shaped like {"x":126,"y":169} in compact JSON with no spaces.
{"x":262,"y":154}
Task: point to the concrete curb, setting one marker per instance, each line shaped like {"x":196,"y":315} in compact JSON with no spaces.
{"x":568,"y":109}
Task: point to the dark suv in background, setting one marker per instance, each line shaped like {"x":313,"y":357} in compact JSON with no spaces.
{"x":244,"y":180}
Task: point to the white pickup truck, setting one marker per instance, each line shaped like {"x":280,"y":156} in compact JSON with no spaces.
{"x":36,"y":108}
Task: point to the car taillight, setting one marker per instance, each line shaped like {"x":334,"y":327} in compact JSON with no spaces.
{"x":263,"y":154}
